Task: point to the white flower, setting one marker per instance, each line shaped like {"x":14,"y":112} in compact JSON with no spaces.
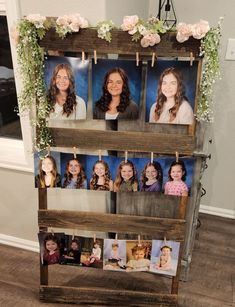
{"x":36,"y":19}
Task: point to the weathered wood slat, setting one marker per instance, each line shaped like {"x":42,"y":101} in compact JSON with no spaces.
{"x":105,"y":297}
{"x":87,"y":40}
{"x":173,"y":229}
{"x":123,"y":140}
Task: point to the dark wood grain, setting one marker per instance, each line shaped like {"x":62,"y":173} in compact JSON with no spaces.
{"x":87,"y":40}
{"x":156,"y":227}
{"x":123,"y":140}
{"x":105,"y":297}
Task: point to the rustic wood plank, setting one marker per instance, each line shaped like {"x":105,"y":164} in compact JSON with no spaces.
{"x":105,"y":297}
{"x":87,"y":40}
{"x":114,"y":140}
{"x":173,"y":229}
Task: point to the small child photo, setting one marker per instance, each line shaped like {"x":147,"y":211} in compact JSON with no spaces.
{"x":46,"y":170}
{"x":51,"y":245}
{"x":92,"y":251}
{"x":164,"y":257}
{"x":138,"y":256}
{"x":72,"y":252}
{"x":114,"y":255}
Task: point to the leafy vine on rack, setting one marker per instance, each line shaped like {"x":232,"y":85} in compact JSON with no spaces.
{"x":31,"y":58}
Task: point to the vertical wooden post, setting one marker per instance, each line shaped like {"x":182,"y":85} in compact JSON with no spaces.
{"x":175,"y":279}
{"x":42,"y":204}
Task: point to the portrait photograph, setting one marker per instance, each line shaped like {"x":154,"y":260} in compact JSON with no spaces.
{"x":51,"y":247}
{"x":114,"y":258}
{"x":66,"y":79}
{"x":71,"y":254}
{"x":47,"y":170}
{"x":177,"y":176}
{"x":92,"y":253}
{"x":138,"y":255}
{"x":99,"y":174}
{"x":116,"y":89}
{"x":171,"y":92}
{"x":164,"y":257}
{"x":73,"y":171}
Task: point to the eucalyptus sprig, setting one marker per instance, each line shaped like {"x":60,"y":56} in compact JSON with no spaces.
{"x":210,"y":46}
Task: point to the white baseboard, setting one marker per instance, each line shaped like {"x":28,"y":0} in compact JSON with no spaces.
{"x":20,"y":243}
{"x":217,"y":211}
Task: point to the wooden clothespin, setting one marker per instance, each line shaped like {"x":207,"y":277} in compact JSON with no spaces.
{"x":176,"y":156}
{"x":191,"y":58}
{"x":73,"y":235}
{"x":100,"y":156}
{"x":116,"y":236}
{"x":74,"y":152}
{"x":95,"y":57}
{"x":139,"y":243}
{"x":151,"y":159}
{"x":49,"y":150}
{"x":126,"y":156}
{"x":83,"y":57}
{"x":137,"y":58}
{"x":153,"y":59}
{"x":52,"y":231}
{"x":94,"y":237}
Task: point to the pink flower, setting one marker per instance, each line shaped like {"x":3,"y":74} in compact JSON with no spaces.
{"x":15,"y":34}
{"x":36,"y":19}
{"x":129,"y":24}
{"x":150,"y":39}
{"x":184,"y":31}
{"x":74,"y":26}
{"x":200,"y":29}
{"x":62,"y":20}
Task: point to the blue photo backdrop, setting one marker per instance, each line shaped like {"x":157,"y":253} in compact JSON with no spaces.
{"x":189,"y":74}
{"x":80,"y":70}
{"x":133,"y":72}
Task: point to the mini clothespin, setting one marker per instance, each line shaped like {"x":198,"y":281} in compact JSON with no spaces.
{"x":116,"y":236}
{"x":99,"y":155}
{"x":139,"y":243}
{"x":126,"y":155}
{"x":151,"y":159}
{"x":95,"y":57}
{"x":94,"y":237}
{"x":83,"y":56}
{"x":176,"y":156}
{"x":73,"y":235}
{"x":137,"y":58}
{"x":49,"y":150}
{"x":191,"y":59}
{"x":153,"y":59}
{"x":74,"y":152}
{"x":52,"y":231}
{"x":165,"y":240}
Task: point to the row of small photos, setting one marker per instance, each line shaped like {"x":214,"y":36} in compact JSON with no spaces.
{"x":71,"y":75}
{"x":169,"y":174}
{"x":157,"y":256}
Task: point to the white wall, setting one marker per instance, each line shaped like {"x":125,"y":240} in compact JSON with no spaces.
{"x":18,"y":202}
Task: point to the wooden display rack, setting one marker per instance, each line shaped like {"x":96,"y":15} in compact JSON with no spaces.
{"x":154,"y":217}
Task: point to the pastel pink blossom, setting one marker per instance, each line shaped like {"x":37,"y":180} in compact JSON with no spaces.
{"x":36,"y":19}
{"x":74,"y":26}
{"x":129,"y":23}
{"x":200,"y":29}
{"x":184,"y":31}
{"x":83,"y":22}
{"x":15,"y":34}
{"x":150,"y":39}
{"x":62,"y":20}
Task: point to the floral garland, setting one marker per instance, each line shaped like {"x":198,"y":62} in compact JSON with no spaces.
{"x":31,"y":59}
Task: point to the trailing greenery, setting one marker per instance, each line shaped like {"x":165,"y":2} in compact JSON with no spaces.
{"x":31,"y":61}
{"x":210,"y":45}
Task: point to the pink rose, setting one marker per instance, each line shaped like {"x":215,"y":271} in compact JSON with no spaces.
{"x":200,"y":29}
{"x":150,"y":39}
{"x":184,"y":31}
{"x":129,"y":23}
{"x":83,"y":22}
{"x":74,"y":26}
{"x":62,"y":20}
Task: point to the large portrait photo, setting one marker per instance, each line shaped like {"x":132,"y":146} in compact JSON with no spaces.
{"x":66,"y":79}
{"x":171,"y":92}
{"x":116,"y":89}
